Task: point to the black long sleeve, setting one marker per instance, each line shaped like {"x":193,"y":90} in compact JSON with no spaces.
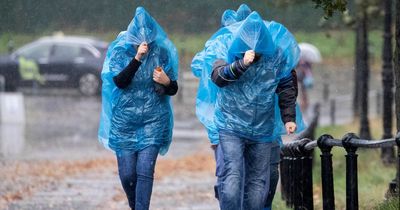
{"x":172,"y":88}
{"x":124,"y":78}
{"x":223,"y":73}
{"x":287,"y":94}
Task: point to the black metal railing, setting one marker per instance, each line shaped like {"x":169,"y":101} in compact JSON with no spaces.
{"x":296,"y":169}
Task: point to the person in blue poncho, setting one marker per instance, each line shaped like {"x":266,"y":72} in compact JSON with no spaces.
{"x":248,"y":75}
{"x":139,"y":75}
{"x":205,"y":103}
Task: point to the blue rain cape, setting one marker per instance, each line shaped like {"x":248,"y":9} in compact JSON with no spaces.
{"x":281,"y":54}
{"x":136,"y":117}
{"x":242,"y":12}
{"x":229,"y":17}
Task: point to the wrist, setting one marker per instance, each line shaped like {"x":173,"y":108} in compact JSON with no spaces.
{"x":167,"y":82}
{"x":246,"y":64}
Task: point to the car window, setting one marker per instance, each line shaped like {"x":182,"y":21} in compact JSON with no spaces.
{"x":65,"y":52}
{"x":36,"y":51}
{"x":86,"y":53}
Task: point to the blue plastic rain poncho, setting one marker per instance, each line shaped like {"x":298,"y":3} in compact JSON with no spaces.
{"x":202,"y":67}
{"x":242,"y":12}
{"x":230,"y":43}
{"x":229,"y":17}
{"x":136,"y":117}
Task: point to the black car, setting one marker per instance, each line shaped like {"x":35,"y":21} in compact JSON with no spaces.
{"x":62,"y":61}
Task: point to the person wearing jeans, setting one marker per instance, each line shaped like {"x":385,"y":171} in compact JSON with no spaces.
{"x":136,"y":171}
{"x":241,"y":153}
{"x":251,"y":72}
{"x":139,"y":76}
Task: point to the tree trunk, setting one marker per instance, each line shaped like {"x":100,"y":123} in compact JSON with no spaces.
{"x":397,"y":65}
{"x":397,"y":78}
{"x":364,"y":75}
{"x":356,"y":93}
{"x":387,"y":154}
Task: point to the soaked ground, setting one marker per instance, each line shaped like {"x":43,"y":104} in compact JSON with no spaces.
{"x":53,"y":160}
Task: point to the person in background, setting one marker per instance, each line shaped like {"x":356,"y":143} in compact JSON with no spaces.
{"x":309,"y":55}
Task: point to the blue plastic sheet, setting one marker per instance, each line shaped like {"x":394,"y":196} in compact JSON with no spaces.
{"x":136,"y":117}
{"x":243,"y":12}
{"x":202,"y":68}
{"x":229,"y":17}
{"x":281,"y":54}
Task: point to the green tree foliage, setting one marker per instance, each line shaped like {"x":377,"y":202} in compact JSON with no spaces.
{"x":330,"y":6}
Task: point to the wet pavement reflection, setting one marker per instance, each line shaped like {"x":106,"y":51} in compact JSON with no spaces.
{"x":53,"y":125}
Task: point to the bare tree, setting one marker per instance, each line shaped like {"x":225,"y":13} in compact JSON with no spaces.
{"x":397,"y":75}
{"x":397,"y":64}
{"x":387,"y":154}
{"x":362,"y":66}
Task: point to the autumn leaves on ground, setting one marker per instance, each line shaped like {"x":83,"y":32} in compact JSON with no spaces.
{"x":20,"y":179}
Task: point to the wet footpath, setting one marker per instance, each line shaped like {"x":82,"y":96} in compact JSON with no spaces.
{"x":54,"y":161}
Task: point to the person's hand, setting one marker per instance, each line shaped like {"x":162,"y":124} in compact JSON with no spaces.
{"x":142,"y":50}
{"x":290,"y":127}
{"x":249,"y":57}
{"x":160,"y":77}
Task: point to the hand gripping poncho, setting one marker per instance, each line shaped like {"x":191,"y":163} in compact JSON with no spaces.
{"x":136,"y":117}
{"x":254,"y":113}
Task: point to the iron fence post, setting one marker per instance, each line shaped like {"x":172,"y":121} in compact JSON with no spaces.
{"x":351,"y":172}
{"x":283,"y":170}
{"x":297,"y":178}
{"x":307,"y":202}
{"x":328,"y":195}
{"x":291,"y":182}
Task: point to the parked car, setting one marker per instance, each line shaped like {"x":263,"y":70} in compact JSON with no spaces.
{"x":59,"y":61}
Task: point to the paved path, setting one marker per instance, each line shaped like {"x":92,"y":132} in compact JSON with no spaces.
{"x":187,"y":188}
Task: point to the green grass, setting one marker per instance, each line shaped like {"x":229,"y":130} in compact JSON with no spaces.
{"x":190,"y":43}
{"x":373,"y":176}
{"x":340,"y":44}
{"x":278,"y":203}
{"x":391,"y":204}
{"x":332,"y":44}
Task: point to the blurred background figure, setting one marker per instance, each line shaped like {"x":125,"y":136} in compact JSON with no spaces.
{"x":309,"y":55}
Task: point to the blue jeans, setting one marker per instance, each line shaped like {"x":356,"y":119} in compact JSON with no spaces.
{"x":136,"y":171}
{"x":219,"y":160}
{"x":274,"y":174}
{"x":251,"y":159}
